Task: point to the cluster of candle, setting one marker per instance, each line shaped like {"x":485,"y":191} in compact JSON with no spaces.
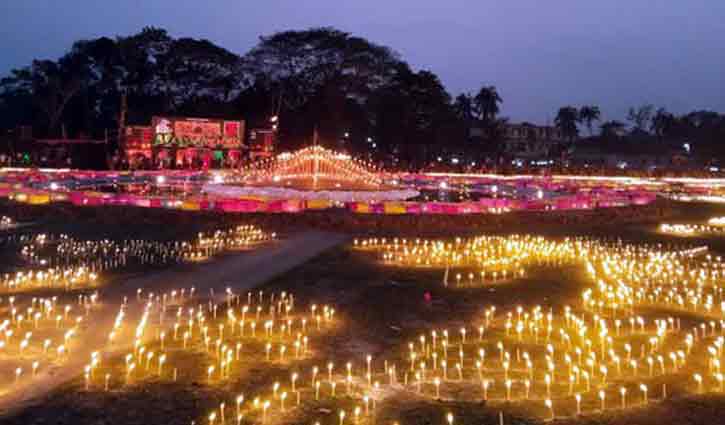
{"x":716,"y":221}
{"x":61,"y":261}
{"x":691,"y":229}
{"x":61,"y":278}
{"x":237,"y":332}
{"x":240,"y":237}
{"x":605,"y":350}
{"x":601,"y":350}
{"x":714,"y":226}
{"x":477,"y":261}
{"x":525,"y":355}
{"x":6,"y":222}
{"x":37,"y":332}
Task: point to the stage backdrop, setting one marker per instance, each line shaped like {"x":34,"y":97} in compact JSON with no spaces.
{"x":198,"y":132}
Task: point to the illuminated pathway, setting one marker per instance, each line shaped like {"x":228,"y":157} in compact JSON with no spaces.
{"x":238,"y":272}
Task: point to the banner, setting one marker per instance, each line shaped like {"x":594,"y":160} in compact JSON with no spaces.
{"x":197,"y":132}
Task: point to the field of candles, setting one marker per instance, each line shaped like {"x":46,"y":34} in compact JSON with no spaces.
{"x":610,"y":325}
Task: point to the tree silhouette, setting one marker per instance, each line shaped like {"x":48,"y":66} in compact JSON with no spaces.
{"x":612,"y":129}
{"x":487,"y":103}
{"x":662,"y":122}
{"x":588,"y":114}
{"x":640,"y":118}
{"x":566,"y":120}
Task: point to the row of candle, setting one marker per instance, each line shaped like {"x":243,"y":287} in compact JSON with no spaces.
{"x":60,"y":261}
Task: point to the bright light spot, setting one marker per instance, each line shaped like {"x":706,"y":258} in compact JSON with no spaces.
{"x":53,"y":186}
{"x":443,"y":185}
{"x":160,"y":179}
{"x":218,"y":179}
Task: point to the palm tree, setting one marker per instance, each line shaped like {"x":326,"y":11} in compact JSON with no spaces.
{"x":464,"y":110}
{"x":566,"y":120}
{"x":487,"y":101}
{"x":464,"y":107}
{"x":588,"y":114}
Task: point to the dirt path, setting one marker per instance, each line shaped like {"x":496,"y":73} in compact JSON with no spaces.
{"x":239,"y":272}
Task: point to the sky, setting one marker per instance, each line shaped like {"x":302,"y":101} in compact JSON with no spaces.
{"x":540,"y":54}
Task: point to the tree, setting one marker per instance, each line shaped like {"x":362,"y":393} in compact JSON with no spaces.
{"x":464,"y":107}
{"x":412,"y":114}
{"x":465,"y":113}
{"x":487,"y":103}
{"x":54,"y":85}
{"x":662,"y":122}
{"x":321,"y":77}
{"x":640,"y":118}
{"x":566,"y":120}
{"x":589,"y":114}
{"x":612,"y":129}
{"x":299,"y":63}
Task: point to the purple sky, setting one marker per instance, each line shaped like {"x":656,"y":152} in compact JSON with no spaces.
{"x":541,"y":54}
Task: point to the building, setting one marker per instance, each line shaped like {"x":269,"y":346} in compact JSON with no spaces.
{"x":173,"y":142}
{"x":525,"y":140}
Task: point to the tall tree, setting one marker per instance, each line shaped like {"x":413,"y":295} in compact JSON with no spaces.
{"x":487,"y":102}
{"x":464,"y":107}
{"x":588,"y":114}
{"x":412,"y":114}
{"x":566,"y":120}
{"x":316,"y":76}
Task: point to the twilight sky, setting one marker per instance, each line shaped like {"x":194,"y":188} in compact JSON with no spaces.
{"x":541,"y":54}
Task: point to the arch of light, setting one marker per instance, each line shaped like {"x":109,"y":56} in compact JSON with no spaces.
{"x":313,"y":163}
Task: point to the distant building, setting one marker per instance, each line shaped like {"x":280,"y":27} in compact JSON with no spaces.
{"x":525,"y":140}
